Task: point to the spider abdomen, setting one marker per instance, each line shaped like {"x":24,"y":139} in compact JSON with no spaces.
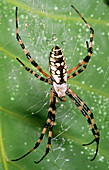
{"x":57,"y":65}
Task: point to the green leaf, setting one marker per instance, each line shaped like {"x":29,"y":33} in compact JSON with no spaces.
{"x":24,"y":100}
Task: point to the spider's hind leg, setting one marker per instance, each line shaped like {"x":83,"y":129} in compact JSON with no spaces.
{"x":38,"y":142}
{"x":50,"y":120}
{"x":97,"y":141}
{"x":85,"y":111}
{"x":49,"y":142}
{"x":51,"y":116}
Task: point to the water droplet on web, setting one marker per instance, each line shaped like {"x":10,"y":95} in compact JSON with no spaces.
{"x":5,"y":57}
{"x":48,"y":160}
{"x":22,"y":16}
{"x":79,"y":30}
{"x":82,"y":152}
{"x":8,"y":29}
{"x":103,"y":33}
{"x":81,"y":53}
{"x":12,"y":99}
{"x":17,"y":85}
{"x":97,"y":2}
{"x":69,"y":29}
{"x":101,"y":158}
{"x":91,"y":15}
{"x":25,"y":143}
{"x":12,"y":34}
{"x":83,"y":82}
{"x":55,"y":8}
{"x":10,"y":20}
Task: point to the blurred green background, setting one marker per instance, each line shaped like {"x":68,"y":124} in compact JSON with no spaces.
{"x":24,"y":100}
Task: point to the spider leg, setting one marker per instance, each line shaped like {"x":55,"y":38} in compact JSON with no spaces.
{"x":33,"y":73}
{"x":84,"y":110}
{"x":78,"y":71}
{"x":50,"y":120}
{"x":97,"y":141}
{"x":49,"y":142}
{"x":38,"y":142}
{"x":85,"y":61}
{"x":51,"y":113}
{"x":25,"y":51}
{"x":87,"y":45}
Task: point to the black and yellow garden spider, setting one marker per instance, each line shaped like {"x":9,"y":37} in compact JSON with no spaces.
{"x":58,"y":78}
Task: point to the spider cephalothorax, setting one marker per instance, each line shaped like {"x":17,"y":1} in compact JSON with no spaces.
{"x":58,"y":79}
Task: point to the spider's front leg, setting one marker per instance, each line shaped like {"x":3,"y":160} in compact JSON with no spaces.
{"x":85,"y":61}
{"x":33,"y":73}
{"x":50,"y":121}
{"x":25,"y":50}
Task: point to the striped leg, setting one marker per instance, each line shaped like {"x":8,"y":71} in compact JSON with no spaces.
{"x":87,"y":45}
{"x":84,"y":110}
{"x":38,"y":142}
{"x":78,"y":71}
{"x":50,"y":120}
{"x":33,"y":73}
{"x":26,"y":52}
{"x":49,"y":142}
{"x":85,"y":61}
{"x":51,"y":113}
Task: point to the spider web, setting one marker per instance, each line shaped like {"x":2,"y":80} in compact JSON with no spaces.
{"x":29,"y":97}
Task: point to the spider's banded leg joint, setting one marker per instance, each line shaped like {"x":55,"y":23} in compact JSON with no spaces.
{"x":51,"y":116}
{"x":86,"y":59}
{"x":92,"y":30}
{"x":90,"y":50}
{"x":87,"y":45}
{"x":63,"y":99}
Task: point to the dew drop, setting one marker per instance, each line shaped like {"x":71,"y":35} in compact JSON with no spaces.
{"x":55,"y":8}
{"x":10,"y":20}
{"x":91,"y":15}
{"x":25,"y":143}
{"x":48,"y":160}
{"x":12,"y":99}
{"x":17,"y":85}
{"x":5,"y":57}
{"x":82,"y":152}
{"x":12,"y":34}
{"x":83,"y":82}
{"x":8,"y":29}
{"x":81,"y":53}
{"x":22,"y":16}
{"x":14,"y":78}
{"x":101,"y":158}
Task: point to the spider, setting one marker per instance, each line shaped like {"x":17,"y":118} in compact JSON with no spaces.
{"x":58,"y":79}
